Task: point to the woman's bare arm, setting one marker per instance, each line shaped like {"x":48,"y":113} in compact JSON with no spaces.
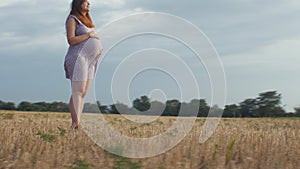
{"x":72,"y":39}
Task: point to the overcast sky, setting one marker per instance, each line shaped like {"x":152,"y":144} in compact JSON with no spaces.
{"x":258,"y":43}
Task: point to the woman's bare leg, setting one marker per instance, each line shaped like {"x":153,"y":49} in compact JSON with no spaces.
{"x":87,"y":88}
{"x":88,"y":85}
{"x":72,"y":111}
{"x":78,"y":93}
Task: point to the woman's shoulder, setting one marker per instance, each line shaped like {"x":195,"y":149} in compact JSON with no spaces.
{"x":73,"y":17}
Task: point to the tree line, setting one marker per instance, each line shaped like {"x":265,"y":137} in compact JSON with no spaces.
{"x":266,"y":104}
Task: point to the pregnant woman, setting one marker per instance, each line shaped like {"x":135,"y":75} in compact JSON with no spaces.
{"x":82,"y":57}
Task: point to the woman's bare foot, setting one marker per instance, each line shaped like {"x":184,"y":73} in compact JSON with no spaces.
{"x":74,"y":126}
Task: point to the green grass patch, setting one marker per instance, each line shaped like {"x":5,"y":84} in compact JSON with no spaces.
{"x":7,"y":115}
{"x":125,"y":163}
{"x":121,"y":162}
{"x":80,"y":164}
{"x":47,"y":137}
{"x":62,"y":131}
{"x":230,"y":145}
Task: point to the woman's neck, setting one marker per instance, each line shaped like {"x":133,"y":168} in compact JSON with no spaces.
{"x":83,"y":13}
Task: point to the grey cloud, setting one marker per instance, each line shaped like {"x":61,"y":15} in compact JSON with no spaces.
{"x":234,"y":26}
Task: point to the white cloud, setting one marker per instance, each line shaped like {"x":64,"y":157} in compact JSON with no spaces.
{"x":117,"y":14}
{"x":280,"y":55}
{"x":295,"y":4}
{"x":114,"y":4}
{"x":6,"y":35}
{"x":12,"y":2}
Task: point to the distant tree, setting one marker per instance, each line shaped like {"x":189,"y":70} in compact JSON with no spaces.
{"x":113,"y":109}
{"x":231,"y":111}
{"x":40,"y":106}
{"x":91,"y":108}
{"x":103,"y":108}
{"x":248,"y":108}
{"x":172,"y":108}
{"x":215,"y":111}
{"x":44,"y":107}
{"x":297,"y":111}
{"x":268,"y":104}
{"x":290,"y":114}
{"x":157,"y":108}
{"x":1,"y":104}
{"x":278,"y":112}
{"x":119,"y":108}
{"x":142,"y":104}
{"x":25,"y":106}
{"x":189,"y":109}
{"x":7,"y":105}
{"x":58,"y":107}
{"x":203,"y":108}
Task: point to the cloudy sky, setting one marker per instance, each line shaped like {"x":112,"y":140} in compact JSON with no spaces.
{"x":258,"y":43}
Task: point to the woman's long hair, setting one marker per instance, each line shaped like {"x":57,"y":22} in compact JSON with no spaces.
{"x":76,"y":11}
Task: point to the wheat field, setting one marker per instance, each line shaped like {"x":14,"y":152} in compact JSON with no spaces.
{"x":42,"y":140}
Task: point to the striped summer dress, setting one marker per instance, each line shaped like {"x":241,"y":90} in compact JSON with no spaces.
{"x":81,"y":60}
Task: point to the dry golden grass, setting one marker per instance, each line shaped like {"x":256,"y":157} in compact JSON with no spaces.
{"x":44,"y":140}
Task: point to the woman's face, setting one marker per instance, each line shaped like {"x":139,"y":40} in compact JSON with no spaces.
{"x":85,"y":6}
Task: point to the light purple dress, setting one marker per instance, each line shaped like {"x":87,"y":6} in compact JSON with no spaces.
{"x":81,"y":60}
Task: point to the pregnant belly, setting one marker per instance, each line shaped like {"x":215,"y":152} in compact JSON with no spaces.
{"x":92,"y":48}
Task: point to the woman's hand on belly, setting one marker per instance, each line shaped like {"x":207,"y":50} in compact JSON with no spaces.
{"x":94,"y":35}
